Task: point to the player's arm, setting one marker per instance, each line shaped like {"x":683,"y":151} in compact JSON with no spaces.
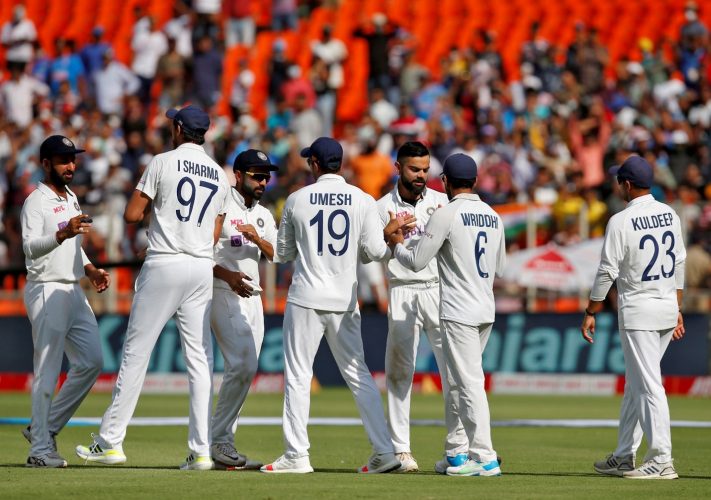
{"x":679,"y":275}
{"x":99,"y":278}
{"x":286,"y":241}
{"x":137,"y":207}
{"x":427,"y":246}
{"x":35,"y":243}
{"x":219,"y":222}
{"x":235,"y":279}
{"x":607,"y":272}
{"x":501,"y":256}
{"x":250,"y":233}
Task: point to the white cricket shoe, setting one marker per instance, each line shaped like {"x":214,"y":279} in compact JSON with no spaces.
{"x":441,"y":466}
{"x":52,"y":438}
{"x":407,"y":462}
{"x":284,"y":465}
{"x":476,"y":468}
{"x":653,"y":470}
{"x":380,"y":463}
{"x":227,"y":454}
{"x":50,"y":460}
{"x":96,"y":453}
{"x":197,"y":462}
{"x":614,"y":466}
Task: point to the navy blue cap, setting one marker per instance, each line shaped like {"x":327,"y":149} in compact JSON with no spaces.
{"x":327,"y":151}
{"x":57,"y":145}
{"x":460,"y":166}
{"x":253,"y":158}
{"x":635,"y":169}
{"x":191,"y":118}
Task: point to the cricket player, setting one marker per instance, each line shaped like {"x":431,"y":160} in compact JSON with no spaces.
{"x":62,"y":320}
{"x":467,"y":237}
{"x":644,"y":251}
{"x":414,"y":308}
{"x":325,"y":228}
{"x":185,"y":192}
{"x":237,"y":317}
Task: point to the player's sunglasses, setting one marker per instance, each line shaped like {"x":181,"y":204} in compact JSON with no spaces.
{"x":259,"y":177}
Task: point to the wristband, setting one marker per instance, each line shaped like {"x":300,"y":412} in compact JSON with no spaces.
{"x":588,"y":313}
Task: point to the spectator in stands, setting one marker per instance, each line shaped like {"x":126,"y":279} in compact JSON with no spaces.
{"x":172,"y":74}
{"x":207,"y":73}
{"x":378,"y":34}
{"x":381,"y":110}
{"x":92,"y":56}
{"x":113,"y":82}
{"x":411,"y":76}
{"x":280,"y":117}
{"x":179,"y":28}
{"x":284,"y":15}
{"x":148,"y":44}
{"x":19,"y":94}
{"x":240,"y":89}
{"x":327,"y":74}
{"x":306,"y":122}
{"x":298,"y":85}
{"x":277,"y":69}
{"x":589,"y":135}
{"x":693,"y":30}
{"x":239,"y":23}
{"x":372,"y":169}
{"x":18,"y":37}
{"x":67,"y":66}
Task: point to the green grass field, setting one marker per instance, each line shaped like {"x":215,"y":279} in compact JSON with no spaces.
{"x":538,"y":462}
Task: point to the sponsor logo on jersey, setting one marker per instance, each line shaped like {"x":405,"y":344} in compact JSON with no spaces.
{"x":58,"y":209}
{"x":62,"y":225}
{"x":236,"y":222}
{"x":334,"y":199}
{"x":236,"y":240}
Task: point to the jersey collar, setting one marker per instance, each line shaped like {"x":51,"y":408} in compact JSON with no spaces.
{"x":398,"y":198}
{"x":47,"y":191}
{"x":640,"y":199}
{"x":191,"y":145}
{"x":466,"y":196}
{"x":240,"y":200}
{"x":330,"y":177}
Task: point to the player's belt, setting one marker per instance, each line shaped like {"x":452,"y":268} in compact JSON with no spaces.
{"x":420,"y":285}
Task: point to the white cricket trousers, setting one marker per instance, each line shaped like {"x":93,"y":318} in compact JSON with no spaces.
{"x":412,"y":309}
{"x":62,"y":322}
{"x":645,"y":410}
{"x":303,"y":329}
{"x":167,"y":285}
{"x":238,"y":323}
{"x":463,"y":346}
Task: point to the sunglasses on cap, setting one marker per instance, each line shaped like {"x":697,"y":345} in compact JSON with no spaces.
{"x":259,"y":177}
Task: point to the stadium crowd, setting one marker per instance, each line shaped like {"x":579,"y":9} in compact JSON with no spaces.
{"x":545,"y":138}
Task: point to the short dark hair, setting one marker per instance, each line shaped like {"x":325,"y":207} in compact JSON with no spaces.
{"x":412,"y":149}
{"x":461,"y":183}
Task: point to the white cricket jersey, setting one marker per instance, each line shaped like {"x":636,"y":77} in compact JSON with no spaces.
{"x":644,"y":251}
{"x":189,"y":190}
{"x":233,"y":251}
{"x":467,"y":237}
{"x":43,"y":214}
{"x":325,"y":227}
{"x":424,"y":208}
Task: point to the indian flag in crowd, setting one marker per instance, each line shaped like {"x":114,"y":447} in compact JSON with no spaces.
{"x":516,"y":215}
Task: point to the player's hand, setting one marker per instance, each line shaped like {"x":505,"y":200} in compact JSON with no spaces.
{"x":239,"y":286}
{"x":99,"y":279}
{"x":76,"y":225}
{"x":249,"y":232}
{"x":679,"y":330}
{"x":396,"y":224}
{"x":588,"y":328}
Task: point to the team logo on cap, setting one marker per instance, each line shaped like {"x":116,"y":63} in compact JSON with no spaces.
{"x":67,"y":142}
{"x":430,"y":211}
{"x":260,"y":222}
{"x":76,"y":205}
{"x":261,"y":156}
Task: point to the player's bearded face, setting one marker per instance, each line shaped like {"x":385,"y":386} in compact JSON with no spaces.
{"x":61,"y":170}
{"x":253,"y":183}
{"x":413,"y":174}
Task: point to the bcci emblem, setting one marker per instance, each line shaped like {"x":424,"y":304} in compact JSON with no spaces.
{"x":76,"y":205}
{"x":261,"y":156}
{"x":260,"y":222}
{"x":430,"y":211}
{"x":67,"y":142}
